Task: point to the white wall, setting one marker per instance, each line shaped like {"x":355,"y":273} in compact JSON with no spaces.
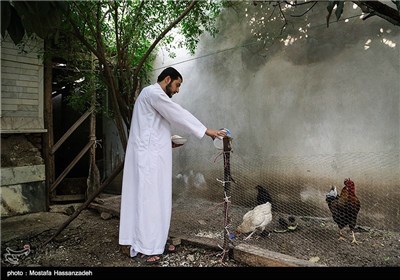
{"x":306,"y":110}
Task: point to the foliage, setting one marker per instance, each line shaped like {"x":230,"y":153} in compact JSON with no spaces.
{"x":124,"y":34}
{"x":339,"y":9}
{"x":370,"y":8}
{"x":382,"y":9}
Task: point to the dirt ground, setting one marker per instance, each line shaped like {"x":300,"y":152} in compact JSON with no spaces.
{"x":314,"y":239}
{"x":91,"y":240}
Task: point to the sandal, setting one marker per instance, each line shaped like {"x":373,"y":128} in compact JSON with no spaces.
{"x":169,"y":248}
{"x":145,"y":259}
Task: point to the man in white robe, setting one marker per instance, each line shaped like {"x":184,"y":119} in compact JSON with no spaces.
{"x":146,"y":199}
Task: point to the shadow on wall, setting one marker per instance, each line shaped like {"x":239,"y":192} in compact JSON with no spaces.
{"x":303,"y":39}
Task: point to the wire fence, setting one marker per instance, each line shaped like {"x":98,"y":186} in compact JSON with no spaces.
{"x":302,"y":225}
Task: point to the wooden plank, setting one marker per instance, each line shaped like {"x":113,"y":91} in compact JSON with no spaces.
{"x":20,"y":71}
{"x":67,"y":197}
{"x":8,"y":107}
{"x":105,"y":208}
{"x":109,"y":199}
{"x":20,"y":90}
{"x":21,"y":122}
{"x":70,"y":131}
{"x":19,"y":101}
{"x":18,"y":114}
{"x":9,"y":63}
{"x":27,"y":130}
{"x":48,"y":138}
{"x":32,"y":96}
{"x":13,"y":89}
{"x":255,"y":256}
{"x":28,"y":108}
{"x":20,"y":77}
{"x":70,"y":166}
{"x":18,"y":83}
{"x":11,"y":83}
{"x":27,"y":60}
{"x":34,"y":84}
{"x":14,"y":50}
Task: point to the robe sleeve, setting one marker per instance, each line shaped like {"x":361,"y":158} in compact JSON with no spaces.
{"x":178,"y":116}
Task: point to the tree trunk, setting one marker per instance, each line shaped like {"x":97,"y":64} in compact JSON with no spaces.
{"x":48,"y":137}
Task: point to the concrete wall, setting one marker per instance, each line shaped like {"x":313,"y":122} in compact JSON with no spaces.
{"x":23,"y":188}
{"x":306,"y":109}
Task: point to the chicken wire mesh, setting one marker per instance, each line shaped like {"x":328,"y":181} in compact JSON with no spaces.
{"x":302,"y":224}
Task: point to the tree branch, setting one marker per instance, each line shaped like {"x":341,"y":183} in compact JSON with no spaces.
{"x":114,"y":174}
{"x":309,"y":9}
{"x":379,"y":9}
{"x":162,"y":35}
{"x":99,"y":53}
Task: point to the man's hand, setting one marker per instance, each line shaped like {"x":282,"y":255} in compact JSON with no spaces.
{"x":215,"y":133}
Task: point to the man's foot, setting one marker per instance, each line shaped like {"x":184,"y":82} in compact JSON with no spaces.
{"x":145,"y":259}
{"x":169,"y":248}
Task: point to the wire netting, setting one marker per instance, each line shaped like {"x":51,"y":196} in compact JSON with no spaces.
{"x":302,"y":225}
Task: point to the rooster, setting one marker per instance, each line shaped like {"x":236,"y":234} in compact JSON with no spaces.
{"x":256,"y":219}
{"x":344,"y":207}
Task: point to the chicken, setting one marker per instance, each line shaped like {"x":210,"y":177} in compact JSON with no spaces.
{"x":344,"y":207}
{"x":263,"y":195}
{"x":256,"y":219}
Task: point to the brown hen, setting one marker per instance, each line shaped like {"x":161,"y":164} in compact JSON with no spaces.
{"x":344,"y":207}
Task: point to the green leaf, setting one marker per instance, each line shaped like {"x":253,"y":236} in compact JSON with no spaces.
{"x":139,"y":24}
{"x":329,"y":7}
{"x":339,"y":9}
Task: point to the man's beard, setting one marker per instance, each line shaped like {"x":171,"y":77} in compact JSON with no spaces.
{"x":168,"y":90}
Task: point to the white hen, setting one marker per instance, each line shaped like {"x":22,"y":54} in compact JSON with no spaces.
{"x":258,"y":218}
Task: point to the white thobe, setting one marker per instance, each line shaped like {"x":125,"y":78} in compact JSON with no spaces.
{"x":146,"y":198}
